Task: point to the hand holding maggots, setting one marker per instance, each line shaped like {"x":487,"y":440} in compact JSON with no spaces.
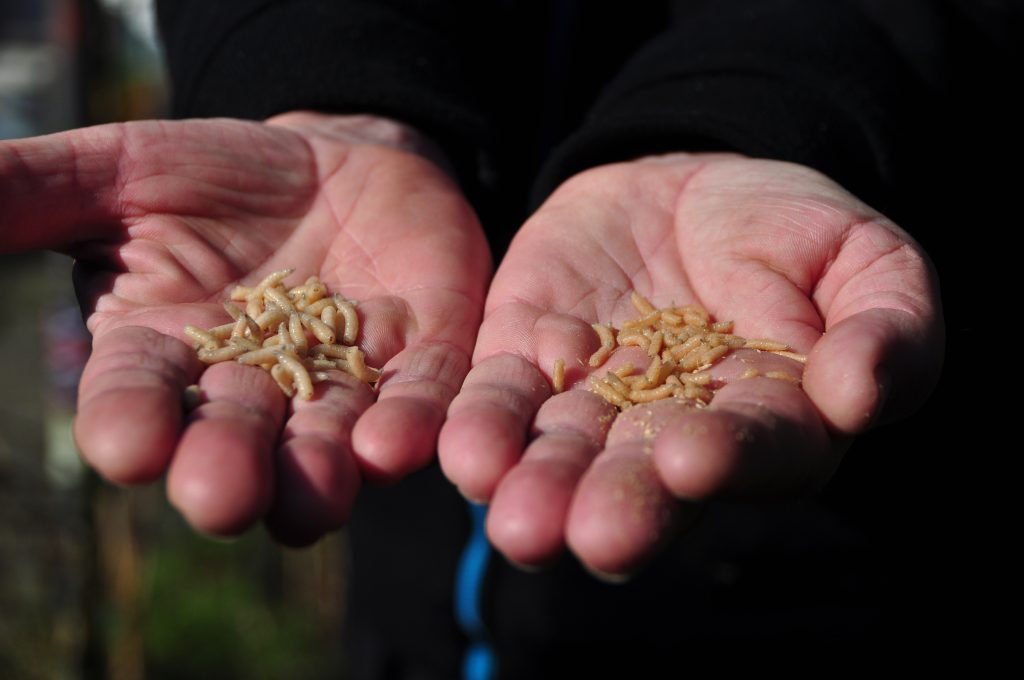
{"x":776,"y":248}
{"x":165,"y":219}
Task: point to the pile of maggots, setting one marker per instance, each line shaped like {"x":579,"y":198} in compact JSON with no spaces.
{"x":682,"y":343}
{"x":293,"y":333}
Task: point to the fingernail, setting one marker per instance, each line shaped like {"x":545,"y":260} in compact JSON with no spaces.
{"x":884,"y":386}
{"x":528,"y":568}
{"x":472,"y":499}
{"x":608,"y":577}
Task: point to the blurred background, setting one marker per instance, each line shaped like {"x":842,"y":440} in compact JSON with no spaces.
{"x":98,"y":581}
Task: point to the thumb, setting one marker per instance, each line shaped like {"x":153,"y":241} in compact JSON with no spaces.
{"x":874,"y":366}
{"x":881,"y":354}
{"x":59,"y":189}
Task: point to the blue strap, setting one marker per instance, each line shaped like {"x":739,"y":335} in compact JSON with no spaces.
{"x":479,"y":662}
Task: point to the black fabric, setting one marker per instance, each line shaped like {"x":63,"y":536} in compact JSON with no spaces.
{"x":810,"y":82}
{"x":909,"y":104}
{"x":406,"y":544}
{"x":257,"y":58}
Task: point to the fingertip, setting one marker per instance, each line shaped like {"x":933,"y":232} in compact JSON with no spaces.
{"x":485,"y":434}
{"x":218,"y":509}
{"x":621,"y":515}
{"x":761,"y":438}
{"x":847,"y":397}
{"x":317,"y":486}
{"x":526,"y":520}
{"x":395,"y":437}
{"x":528,"y":513}
{"x":609,"y":561}
{"x":695,"y":455}
{"x":130,"y":412}
{"x":852,"y":373}
{"x":477,"y":446}
{"x":221,"y":476}
{"x":523,"y":543}
{"x":129,"y":439}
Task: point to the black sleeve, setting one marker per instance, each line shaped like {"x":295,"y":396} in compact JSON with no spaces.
{"x":256,"y":58}
{"x":851,"y":88}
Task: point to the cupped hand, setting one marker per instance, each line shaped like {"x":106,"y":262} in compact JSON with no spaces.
{"x":777,"y":248}
{"x":165,"y":218}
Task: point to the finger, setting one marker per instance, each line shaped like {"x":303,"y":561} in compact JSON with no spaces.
{"x":129,"y":403}
{"x":384,"y":325}
{"x":221,"y":476}
{"x":884,"y":341}
{"x":873,"y":366}
{"x":527,"y":517}
{"x":760,"y":438}
{"x":485,"y":433}
{"x":622,"y":514}
{"x":316,"y":475}
{"x":540,"y":336}
{"x":399,"y":433}
{"x":424,"y":337}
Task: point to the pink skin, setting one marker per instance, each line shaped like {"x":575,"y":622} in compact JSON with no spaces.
{"x":775,"y":247}
{"x":165,"y":218}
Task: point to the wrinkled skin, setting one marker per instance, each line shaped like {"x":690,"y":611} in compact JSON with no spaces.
{"x":165,"y":218}
{"x":777,"y":248}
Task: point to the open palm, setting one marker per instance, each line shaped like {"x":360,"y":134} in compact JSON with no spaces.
{"x":777,"y":248}
{"x":164,"y":218}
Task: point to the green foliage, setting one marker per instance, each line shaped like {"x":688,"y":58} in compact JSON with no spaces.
{"x":211,"y":611}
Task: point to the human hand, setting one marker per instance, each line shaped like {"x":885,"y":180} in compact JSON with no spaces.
{"x":777,"y":248}
{"x":165,"y":218}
